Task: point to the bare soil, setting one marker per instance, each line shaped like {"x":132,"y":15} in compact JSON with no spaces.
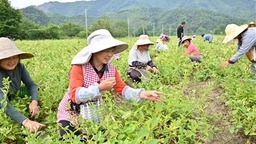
{"x":219,"y":115}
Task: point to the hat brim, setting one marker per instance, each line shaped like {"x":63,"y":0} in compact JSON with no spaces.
{"x":85,"y":54}
{"x":239,"y":30}
{"x":185,"y":39}
{"x":22,"y":55}
{"x":108,"y":43}
{"x":26,"y":55}
{"x":144,"y":42}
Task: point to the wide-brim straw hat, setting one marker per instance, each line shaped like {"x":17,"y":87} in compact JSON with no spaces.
{"x":232,"y":31}
{"x":144,"y":40}
{"x":252,"y":23}
{"x":185,"y":38}
{"x":97,"y":41}
{"x":9,"y":49}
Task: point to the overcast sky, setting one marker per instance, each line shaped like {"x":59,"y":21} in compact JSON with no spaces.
{"x":25,"y":3}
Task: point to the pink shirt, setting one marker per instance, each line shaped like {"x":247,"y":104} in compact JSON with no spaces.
{"x":192,"y":50}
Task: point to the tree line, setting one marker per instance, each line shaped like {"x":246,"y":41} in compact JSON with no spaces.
{"x":16,"y":26}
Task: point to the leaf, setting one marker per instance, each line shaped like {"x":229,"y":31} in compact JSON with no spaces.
{"x":152,"y":141}
{"x":127,"y":115}
{"x":154,"y":122}
{"x":143,"y":132}
{"x":232,"y":129}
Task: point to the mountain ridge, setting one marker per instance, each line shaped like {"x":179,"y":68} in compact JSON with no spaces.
{"x":244,"y":9}
{"x":151,"y":16}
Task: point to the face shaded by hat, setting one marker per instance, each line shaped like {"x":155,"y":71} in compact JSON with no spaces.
{"x":184,"y":38}
{"x":232,"y":31}
{"x":9,"y":49}
{"x":144,"y":40}
{"x":98,"y":40}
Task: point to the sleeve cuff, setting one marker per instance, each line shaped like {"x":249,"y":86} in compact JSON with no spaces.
{"x":131,"y":93}
{"x":230,"y":62}
{"x":84,"y":94}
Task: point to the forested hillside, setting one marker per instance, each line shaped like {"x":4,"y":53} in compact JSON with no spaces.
{"x":235,"y":8}
{"x":152,"y":21}
{"x":198,"y":21}
{"x":154,"y":17}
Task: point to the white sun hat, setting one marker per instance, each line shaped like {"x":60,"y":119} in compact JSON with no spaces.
{"x":9,"y":49}
{"x":185,"y":38}
{"x":144,"y":40}
{"x":232,"y":31}
{"x":252,"y":23}
{"x":97,"y":41}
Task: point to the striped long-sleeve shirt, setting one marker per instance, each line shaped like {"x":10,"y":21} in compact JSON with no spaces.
{"x":247,"y":42}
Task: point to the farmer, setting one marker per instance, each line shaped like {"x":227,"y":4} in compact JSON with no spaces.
{"x":180,"y":32}
{"x":16,"y":72}
{"x":139,"y":59}
{"x":207,"y":37}
{"x":251,"y":24}
{"x":191,"y":49}
{"x":90,"y":76}
{"x":160,"y":45}
{"x":160,"y":42}
{"x":246,"y":37}
{"x":164,"y":37}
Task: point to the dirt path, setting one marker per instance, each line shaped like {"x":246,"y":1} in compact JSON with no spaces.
{"x":219,"y":115}
{"x":216,"y":106}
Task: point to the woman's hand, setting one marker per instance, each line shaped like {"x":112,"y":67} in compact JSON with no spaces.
{"x":151,"y":95}
{"x":152,"y":69}
{"x":148,"y":68}
{"x":32,"y":126}
{"x":155,"y":70}
{"x":33,"y":108}
{"x":224,"y":64}
{"x":107,"y":84}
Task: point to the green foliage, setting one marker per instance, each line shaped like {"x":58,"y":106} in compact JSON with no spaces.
{"x":8,"y":127}
{"x":82,"y":34}
{"x":187,"y":114}
{"x":9,"y":20}
{"x":35,"y":31}
{"x":25,"y":26}
{"x":53,"y":31}
{"x":117,"y":28}
{"x":70,"y":29}
{"x":37,"y":34}
{"x":4,"y":91}
{"x":104,"y":23}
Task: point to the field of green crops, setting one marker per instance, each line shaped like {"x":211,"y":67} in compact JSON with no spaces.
{"x":203,"y":103}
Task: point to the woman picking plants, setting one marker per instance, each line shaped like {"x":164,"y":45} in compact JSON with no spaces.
{"x":91,"y":75}
{"x":246,"y":37}
{"x":139,"y":59}
{"x":16,"y":72}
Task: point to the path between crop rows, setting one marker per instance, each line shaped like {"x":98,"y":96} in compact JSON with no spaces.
{"x":220,"y":116}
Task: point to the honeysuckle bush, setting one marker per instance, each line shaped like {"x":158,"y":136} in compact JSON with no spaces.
{"x":181,"y":118}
